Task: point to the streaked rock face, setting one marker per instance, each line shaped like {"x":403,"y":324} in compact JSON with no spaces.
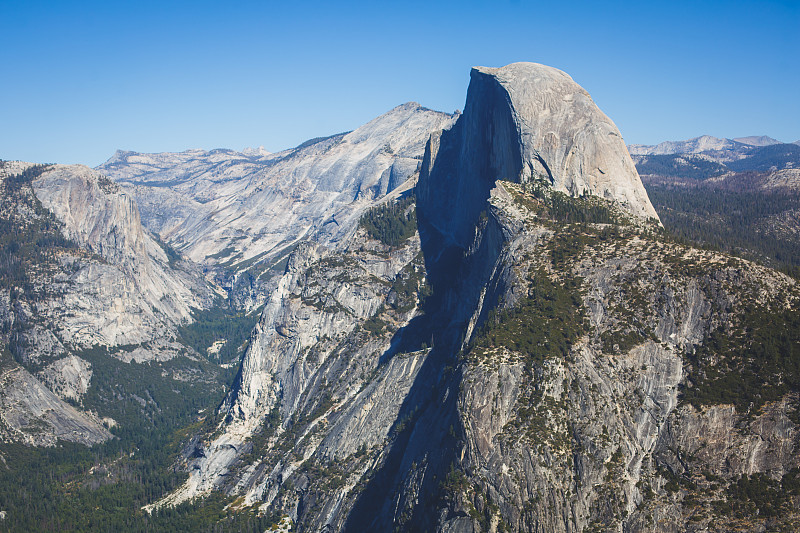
{"x":410,"y":387}
{"x":133,"y":294}
{"x":113,"y":285}
{"x":222,"y":205}
{"x":526,"y":122}
{"x":33,"y":414}
{"x":441,"y":438}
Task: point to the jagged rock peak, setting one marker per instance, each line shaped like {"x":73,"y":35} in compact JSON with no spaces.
{"x":564,"y":136}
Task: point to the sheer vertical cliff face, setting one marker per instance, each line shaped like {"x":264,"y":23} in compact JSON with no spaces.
{"x":517,"y":364}
{"x":461,"y":164}
{"x":525,"y":122}
{"x":571,"y":419}
{"x":129,"y":293}
{"x":594,"y":434}
{"x":84,"y":273}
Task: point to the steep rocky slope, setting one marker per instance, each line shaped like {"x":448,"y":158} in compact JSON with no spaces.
{"x":529,"y":361}
{"x":226,"y":207}
{"x":570,"y":401}
{"x":78,"y":271}
{"x":538,"y":384}
{"x":132,"y":293}
{"x":505,"y":340}
{"x":573,"y":326}
{"x":327,"y":355}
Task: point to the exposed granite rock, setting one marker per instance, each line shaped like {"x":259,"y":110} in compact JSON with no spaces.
{"x":583,"y":441}
{"x":231,"y":207}
{"x":68,"y":377}
{"x":525,"y":122}
{"x":723,"y":149}
{"x":523,"y":373}
{"x":90,"y":275}
{"x":133,"y":294}
{"x":314,"y":383}
{"x":32,"y":414}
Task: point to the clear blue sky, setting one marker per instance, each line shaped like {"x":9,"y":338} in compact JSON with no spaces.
{"x":81,"y":79}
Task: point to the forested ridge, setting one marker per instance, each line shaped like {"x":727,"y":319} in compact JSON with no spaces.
{"x":708,"y":164}
{"x":392,"y":223}
{"x":29,"y":234}
{"x":102,"y":488}
{"x":746,"y":224}
{"x":745,"y":207}
{"x":152,"y":408}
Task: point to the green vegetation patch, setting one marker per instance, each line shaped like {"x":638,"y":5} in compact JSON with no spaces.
{"x":29,"y":233}
{"x":680,"y":165}
{"x":632,"y":310}
{"x":392,"y":223}
{"x":732,"y":221}
{"x":220,"y":323}
{"x":758,"y":361}
{"x":765,"y":158}
{"x":561,"y":207}
{"x":173,"y":256}
{"x":760,"y":495}
{"x":75,"y":488}
{"x":410,"y":286}
{"x":225,"y":252}
{"x":587,"y":210}
{"x":545,"y":324}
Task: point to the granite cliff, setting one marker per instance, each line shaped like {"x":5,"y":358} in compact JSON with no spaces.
{"x":237,"y":208}
{"x":529,"y":360}
{"x":525,"y":122}
{"x":469,"y":323}
{"x":79,"y":272}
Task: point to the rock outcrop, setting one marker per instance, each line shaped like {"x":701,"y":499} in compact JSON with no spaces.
{"x":132,"y":293}
{"x":705,"y":143}
{"x":505,"y":341}
{"x":79,"y":272}
{"x":325,"y":365}
{"x":32,"y":414}
{"x":536,"y":386}
{"x":230,"y":207}
{"x":525,"y":122}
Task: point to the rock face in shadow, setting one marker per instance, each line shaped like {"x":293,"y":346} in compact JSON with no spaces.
{"x":525,"y":122}
{"x":224,"y":206}
{"x":529,"y":378}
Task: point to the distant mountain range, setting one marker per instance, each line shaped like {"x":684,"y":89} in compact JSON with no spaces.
{"x":731,"y":148}
{"x":739,"y":195}
{"x":706,"y":157}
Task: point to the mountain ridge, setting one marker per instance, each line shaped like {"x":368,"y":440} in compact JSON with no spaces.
{"x":701,"y":144}
{"x":452,"y":323}
{"x":503,"y":260}
{"x":230,"y":189}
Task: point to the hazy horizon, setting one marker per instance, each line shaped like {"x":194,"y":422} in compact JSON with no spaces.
{"x":88,"y":78}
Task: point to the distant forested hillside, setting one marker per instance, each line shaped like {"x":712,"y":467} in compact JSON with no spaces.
{"x":738,"y":207}
{"x":757,"y":225}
